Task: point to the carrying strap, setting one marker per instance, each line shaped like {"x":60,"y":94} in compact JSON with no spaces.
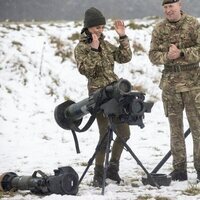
{"x":41,"y":173}
{"x":86,"y":127}
{"x":74,"y":127}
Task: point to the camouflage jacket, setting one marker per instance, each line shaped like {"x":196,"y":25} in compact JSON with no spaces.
{"x":185,"y":34}
{"x":98,"y":66}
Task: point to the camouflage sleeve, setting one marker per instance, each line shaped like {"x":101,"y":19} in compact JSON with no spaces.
{"x":87,"y":60}
{"x":157,"y":53}
{"x":192,"y":54}
{"x":159,"y":49}
{"x":123,"y":53}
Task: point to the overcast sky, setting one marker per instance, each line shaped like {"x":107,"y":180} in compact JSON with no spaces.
{"x":41,"y":10}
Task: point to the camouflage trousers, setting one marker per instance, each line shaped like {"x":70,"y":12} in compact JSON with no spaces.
{"x":122,"y":129}
{"x":174,"y":105}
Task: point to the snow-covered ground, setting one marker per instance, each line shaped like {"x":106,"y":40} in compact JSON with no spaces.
{"x":38,"y":72}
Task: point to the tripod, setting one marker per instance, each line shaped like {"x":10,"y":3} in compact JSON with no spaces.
{"x":109,"y":135}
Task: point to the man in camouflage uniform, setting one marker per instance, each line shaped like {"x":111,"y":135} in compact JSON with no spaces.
{"x":176,"y":45}
{"x":95,"y":58}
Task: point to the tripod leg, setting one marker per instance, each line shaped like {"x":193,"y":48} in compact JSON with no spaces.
{"x":137,"y":160}
{"x":92,"y":158}
{"x":110,"y":134}
{"x":166,"y":157}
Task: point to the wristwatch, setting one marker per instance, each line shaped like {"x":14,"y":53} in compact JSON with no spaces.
{"x":182,"y":54}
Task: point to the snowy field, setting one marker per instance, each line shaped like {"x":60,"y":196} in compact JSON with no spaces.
{"x":38,"y":72}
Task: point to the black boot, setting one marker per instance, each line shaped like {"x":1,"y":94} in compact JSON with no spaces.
{"x":98,"y":176}
{"x":112,"y":172}
{"x":179,"y":175}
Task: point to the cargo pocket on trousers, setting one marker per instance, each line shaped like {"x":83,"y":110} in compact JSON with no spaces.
{"x":197,"y":102}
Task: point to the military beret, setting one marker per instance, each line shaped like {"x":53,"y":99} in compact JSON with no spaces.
{"x":169,"y":1}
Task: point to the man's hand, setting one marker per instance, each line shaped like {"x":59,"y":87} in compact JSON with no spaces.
{"x":174,"y":52}
{"x":119,"y":27}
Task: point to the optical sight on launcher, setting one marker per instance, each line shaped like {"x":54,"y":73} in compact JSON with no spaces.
{"x":115,"y":99}
{"x":65,"y":181}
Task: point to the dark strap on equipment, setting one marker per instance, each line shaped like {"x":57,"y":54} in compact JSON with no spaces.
{"x":41,"y":173}
{"x":86,"y":127}
{"x":88,"y":124}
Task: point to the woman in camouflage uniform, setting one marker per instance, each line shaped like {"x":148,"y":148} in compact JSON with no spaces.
{"x":176,"y":45}
{"x":95,"y":58}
